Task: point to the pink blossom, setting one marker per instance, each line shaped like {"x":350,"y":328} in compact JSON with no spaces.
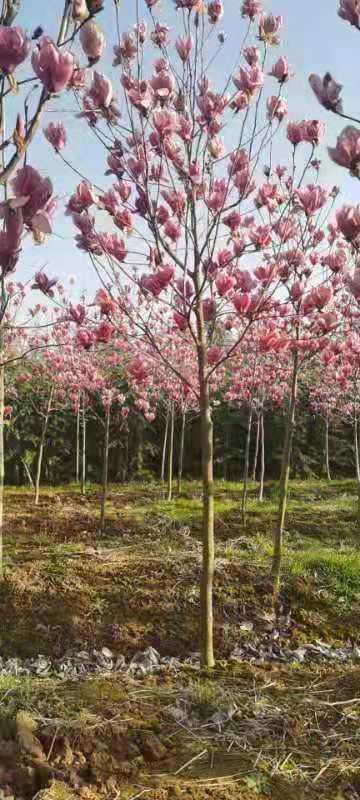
{"x":276,"y":108}
{"x":269,"y":196}
{"x":215,"y":11}
{"x":44,"y":283}
{"x":92,"y":41}
{"x":104,"y":332}
{"x":172,"y":230}
{"x":77,"y":313}
{"x":232,"y":221}
{"x":252,"y":55}
{"x":327,"y":91}
{"x":52,"y":66}
{"x":354,"y":284}
{"x":180,"y":321}
{"x":251,"y":8}
{"x":242,"y":303}
{"x":28,"y":184}
{"x":216,"y":147}
{"x":312,"y":199}
{"x":281,"y":70}
{"x":321,"y":296}
{"x":348,"y":221}
{"x":163,"y":85}
{"x":160,"y":35}
{"x":83,"y":198}
{"x":55,"y":133}
{"x":347,"y":150}
{"x":84,"y":339}
{"x":124,"y":220}
{"x":224,"y":283}
{"x":261,"y":236}
{"x":215,"y":354}
{"x":350,"y":11}
{"x":269,"y":26}
{"x":296,"y":132}
{"x":113,"y":246}
{"x":105,"y":302}
{"x":184,"y":46}
{"x":79,"y":10}
{"x":249,"y":80}
{"x":126,"y":50}
{"x":14,"y":48}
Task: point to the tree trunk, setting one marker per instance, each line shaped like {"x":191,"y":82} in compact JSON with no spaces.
{"x":181,"y":449}
{"x":171,"y":453}
{"x":327,"y":459}
{"x":207,"y":578}
{"x":256,"y":454}
{"x":2,"y":449}
{"x":246,"y":466}
{"x":83,"y":460}
{"x":163,"y":458}
{"x":284,"y":478}
{"x":105,"y":468}
{"x":77,"y":476}
{"x":262,"y":456}
{"x":41,"y":448}
{"x":357,"y":460}
{"x":28,"y":473}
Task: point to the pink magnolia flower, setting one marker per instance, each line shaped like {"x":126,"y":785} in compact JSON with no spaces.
{"x":92,"y":41}
{"x":249,"y":80}
{"x":77,"y":313}
{"x":314,"y":131}
{"x":281,"y":70}
{"x":242,"y":303}
{"x":269,"y":26}
{"x":224,"y":283}
{"x":126,"y":50}
{"x":180,"y":321}
{"x":105,"y":302}
{"x":348,"y":221}
{"x":83,"y":198}
{"x":321,"y":296}
{"x":172,"y":230}
{"x":312,"y":199}
{"x":113,"y":246}
{"x":52,"y":66}
{"x":55,"y":133}
{"x":251,"y":8}
{"x":252,"y":55}
{"x":269,"y":196}
{"x":14,"y":48}
{"x":347,"y":151}
{"x":124,"y":220}
{"x":84,"y":339}
{"x":104,"y":332}
{"x":354,"y":284}
{"x":79,"y":10}
{"x":276,"y":108}
{"x":350,"y":11}
{"x":327,"y":91}
{"x":160,"y":35}
{"x":184,"y":46}
{"x":215,"y":11}
{"x":29,"y":185}
{"x":163,"y":85}
{"x":44,"y":283}
{"x":216,"y":147}
{"x":215,"y":354}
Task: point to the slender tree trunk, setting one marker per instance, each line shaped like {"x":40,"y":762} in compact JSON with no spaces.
{"x":163,"y":458}
{"x":327,"y":459}
{"x":181,"y":449}
{"x":83,"y":460}
{"x":207,"y":578}
{"x":357,"y":459}
{"x":105,"y":468}
{"x":77,"y":477}
{"x":28,"y":473}
{"x":246,"y":466}
{"x":284,"y":477}
{"x":171,"y":453}
{"x":2,"y":470}
{"x":262,"y":456}
{"x":257,"y":442}
{"x":41,"y":448}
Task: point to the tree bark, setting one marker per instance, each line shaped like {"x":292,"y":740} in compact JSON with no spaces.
{"x":257,"y":442}
{"x":41,"y":448}
{"x":246,"y":466}
{"x":171,"y":453}
{"x":262,"y":456}
{"x":2,"y":470}
{"x":208,"y":558}
{"x":181,"y":449}
{"x":163,"y":458}
{"x":327,"y":458}
{"x":105,"y":468}
{"x":77,"y":476}
{"x":357,"y":460}
{"x":284,"y":478}
{"x":83,"y":459}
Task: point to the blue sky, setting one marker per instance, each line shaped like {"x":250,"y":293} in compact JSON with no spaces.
{"x":314,"y":39}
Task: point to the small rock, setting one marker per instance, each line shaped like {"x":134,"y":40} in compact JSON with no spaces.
{"x":152,"y":748}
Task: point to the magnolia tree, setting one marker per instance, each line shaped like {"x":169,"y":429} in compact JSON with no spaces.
{"x":190,"y":234}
